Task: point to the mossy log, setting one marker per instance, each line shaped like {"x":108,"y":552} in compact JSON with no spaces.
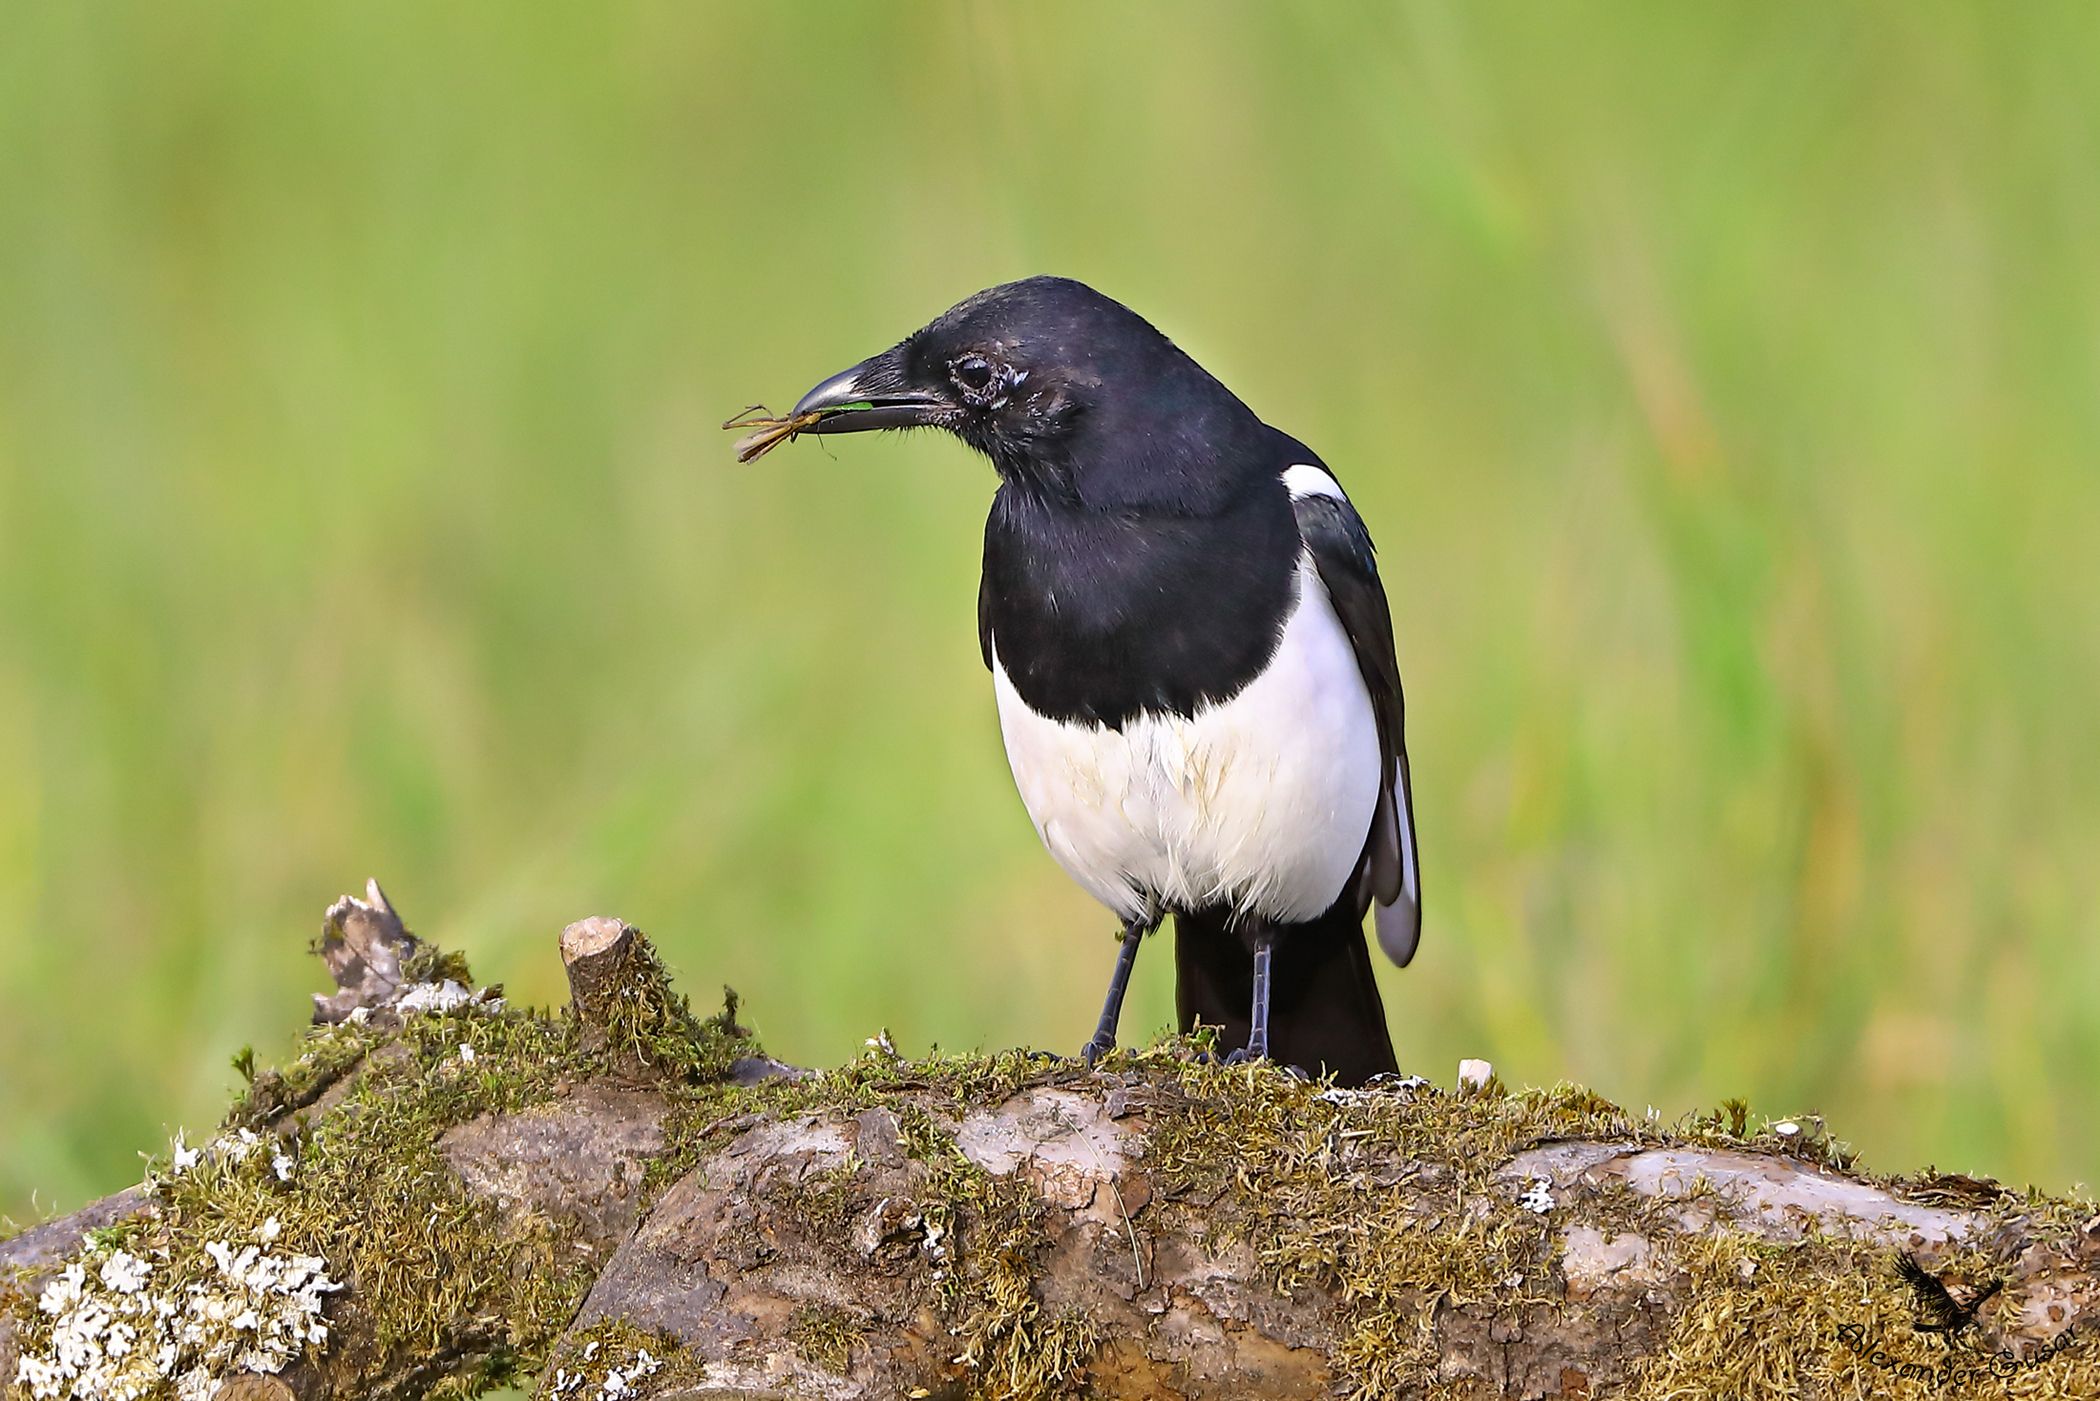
{"x":442,"y":1194}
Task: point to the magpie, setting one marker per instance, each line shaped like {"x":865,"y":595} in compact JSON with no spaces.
{"x":1192,"y":657}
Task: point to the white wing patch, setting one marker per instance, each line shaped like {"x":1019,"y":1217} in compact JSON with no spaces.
{"x":1307,"y":480}
{"x":1410,"y":882}
{"x":1260,"y":802}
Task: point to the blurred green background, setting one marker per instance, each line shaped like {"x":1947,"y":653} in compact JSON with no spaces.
{"x":1722,"y":385}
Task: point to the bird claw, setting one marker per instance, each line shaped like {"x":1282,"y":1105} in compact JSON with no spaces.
{"x":1094,"y":1050}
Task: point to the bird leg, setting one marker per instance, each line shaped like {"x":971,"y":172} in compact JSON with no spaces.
{"x":1257,"y":1047}
{"x":1134,"y":929}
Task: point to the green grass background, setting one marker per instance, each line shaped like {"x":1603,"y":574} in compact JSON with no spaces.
{"x":1722,"y":385}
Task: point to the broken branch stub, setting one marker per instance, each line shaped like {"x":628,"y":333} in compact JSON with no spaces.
{"x":367,"y":949}
{"x":617,"y":992}
{"x":630,"y":1020}
{"x":598,"y":954}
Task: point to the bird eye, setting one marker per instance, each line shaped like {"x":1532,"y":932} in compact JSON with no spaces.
{"x":974,"y":375}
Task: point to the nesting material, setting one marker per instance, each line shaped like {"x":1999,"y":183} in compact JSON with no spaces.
{"x":765,"y":432}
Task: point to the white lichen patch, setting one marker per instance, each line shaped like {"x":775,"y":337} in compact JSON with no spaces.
{"x":116,"y":1336}
{"x":447,"y":996}
{"x":616,"y":1385}
{"x":229,"y":1148}
{"x":1538,"y":1199}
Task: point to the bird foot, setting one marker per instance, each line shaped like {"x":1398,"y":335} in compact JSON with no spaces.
{"x":1094,"y":1050}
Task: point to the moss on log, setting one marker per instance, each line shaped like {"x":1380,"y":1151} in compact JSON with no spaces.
{"x":440,"y":1193}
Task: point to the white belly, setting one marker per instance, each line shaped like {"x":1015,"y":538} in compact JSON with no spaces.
{"x":1261,"y":802}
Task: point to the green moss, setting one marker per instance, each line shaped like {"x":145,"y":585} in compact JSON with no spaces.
{"x":991,"y":1226}
{"x":1295,"y":1189}
{"x":707,"y":1112}
{"x":417,"y":1246}
{"x":1311,"y":1186}
{"x":994,"y":1233}
{"x":1761,"y":1320}
{"x":341,"y":1154}
{"x":645,"y":1023}
{"x":326,"y":1055}
{"x":825,"y":1199}
{"x":610,"y":1345}
{"x":824,"y":1336}
{"x":427,"y":963}
{"x":365,"y":1189}
{"x":1830,"y":1316}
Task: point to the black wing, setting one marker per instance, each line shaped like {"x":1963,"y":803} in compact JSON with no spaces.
{"x":984,"y":617}
{"x":1388,"y":875}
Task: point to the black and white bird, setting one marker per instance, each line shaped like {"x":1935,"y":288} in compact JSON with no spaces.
{"x":1192,"y":657}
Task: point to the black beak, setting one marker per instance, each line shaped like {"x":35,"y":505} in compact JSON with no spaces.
{"x":870,"y":396}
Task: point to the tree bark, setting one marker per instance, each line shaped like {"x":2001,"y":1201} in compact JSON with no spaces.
{"x":623,"y":1200}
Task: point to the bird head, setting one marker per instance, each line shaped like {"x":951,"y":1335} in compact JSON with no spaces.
{"x":1068,"y":392}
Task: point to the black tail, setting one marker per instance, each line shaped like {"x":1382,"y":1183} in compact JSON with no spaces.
{"x":1324,"y":1010}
